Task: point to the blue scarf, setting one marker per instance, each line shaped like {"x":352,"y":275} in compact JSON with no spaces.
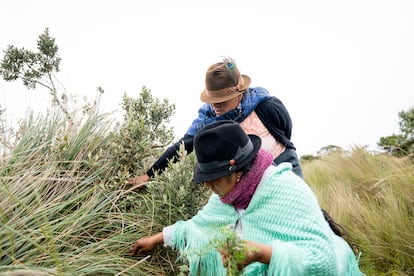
{"x":251,"y":98}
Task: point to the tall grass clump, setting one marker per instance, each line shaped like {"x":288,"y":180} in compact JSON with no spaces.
{"x":372,"y":197}
{"x":54,"y":212}
{"x":64,"y":209}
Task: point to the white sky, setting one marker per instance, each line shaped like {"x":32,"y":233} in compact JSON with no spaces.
{"x":344,"y":69}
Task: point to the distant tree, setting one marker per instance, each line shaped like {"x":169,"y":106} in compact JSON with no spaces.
{"x":308,"y":157}
{"x":329,"y":149}
{"x":401,"y":144}
{"x":321,"y":153}
{"x":35,"y":68}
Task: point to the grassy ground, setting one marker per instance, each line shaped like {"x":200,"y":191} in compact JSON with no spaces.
{"x":64,"y":210}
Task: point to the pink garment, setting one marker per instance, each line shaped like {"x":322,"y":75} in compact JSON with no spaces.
{"x":243,"y":191}
{"x":253,"y":125}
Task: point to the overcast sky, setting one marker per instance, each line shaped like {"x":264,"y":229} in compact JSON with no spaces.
{"x":344,"y":69}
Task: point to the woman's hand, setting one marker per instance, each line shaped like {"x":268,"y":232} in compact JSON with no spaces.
{"x":144,"y":245}
{"x":138,"y":183}
{"x":253,"y":252}
{"x":257,"y":252}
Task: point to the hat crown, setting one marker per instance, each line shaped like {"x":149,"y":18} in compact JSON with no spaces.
{"x":220,"y":141}
{"x":224,"y":82}
{"x":222,"y":75}
{"x":222,"y":148}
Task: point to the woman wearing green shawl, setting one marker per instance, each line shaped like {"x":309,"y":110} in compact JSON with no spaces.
{"x":272,"y":211}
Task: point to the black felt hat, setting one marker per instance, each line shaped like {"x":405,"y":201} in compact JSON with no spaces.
{"x":221,"y":149}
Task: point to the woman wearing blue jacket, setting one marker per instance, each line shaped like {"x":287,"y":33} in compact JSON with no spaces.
{"x":228,"y":96}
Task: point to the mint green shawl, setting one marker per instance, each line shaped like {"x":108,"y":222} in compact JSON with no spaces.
{"x":283,"y":213}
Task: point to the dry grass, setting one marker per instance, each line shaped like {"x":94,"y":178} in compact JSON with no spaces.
{"x":372,"y":196}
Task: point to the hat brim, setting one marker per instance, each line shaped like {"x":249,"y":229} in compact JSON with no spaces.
{"x":211,"y":99}
{"x":201,"y":176}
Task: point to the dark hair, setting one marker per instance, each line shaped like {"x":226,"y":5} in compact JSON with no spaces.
{"x":340,"y":231}
{"x":336,"y":228}
{"x":246,"y":168}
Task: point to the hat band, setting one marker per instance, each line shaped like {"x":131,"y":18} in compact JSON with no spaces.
{"x":221,"y":93}
{"x":240,"y":154}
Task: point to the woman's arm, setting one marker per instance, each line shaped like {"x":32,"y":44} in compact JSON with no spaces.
{"x":171,"y":154}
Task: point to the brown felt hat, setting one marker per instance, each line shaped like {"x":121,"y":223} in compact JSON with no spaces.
{"x":224,"y":82}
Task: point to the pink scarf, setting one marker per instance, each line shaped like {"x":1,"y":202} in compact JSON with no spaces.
{"x":243,"y":191}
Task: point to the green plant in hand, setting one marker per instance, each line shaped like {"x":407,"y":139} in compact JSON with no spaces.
{"x":233,"y":249}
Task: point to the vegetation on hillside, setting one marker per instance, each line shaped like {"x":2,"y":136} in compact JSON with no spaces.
{"x":65,"y":211}
{"x":372,"y":197}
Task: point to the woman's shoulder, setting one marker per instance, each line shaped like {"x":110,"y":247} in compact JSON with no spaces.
{"x":281,"y":177}
{"x":277,"y":169}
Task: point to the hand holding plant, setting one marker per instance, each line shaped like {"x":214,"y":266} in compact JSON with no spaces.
{"x":236,"y":253}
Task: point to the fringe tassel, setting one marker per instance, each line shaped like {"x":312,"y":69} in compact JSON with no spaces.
{"x":353,"y":269}
{"x":193,"y":246}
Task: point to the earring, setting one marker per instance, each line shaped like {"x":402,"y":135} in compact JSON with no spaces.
{"x":239,"y":108}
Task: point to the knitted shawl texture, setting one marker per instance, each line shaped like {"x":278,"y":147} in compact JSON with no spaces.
{"x":283,"y":213}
